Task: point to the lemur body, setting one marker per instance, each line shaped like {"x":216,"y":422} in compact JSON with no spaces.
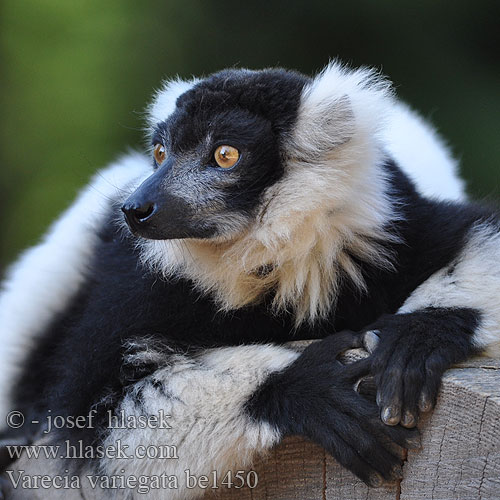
{"x":314,"y":230}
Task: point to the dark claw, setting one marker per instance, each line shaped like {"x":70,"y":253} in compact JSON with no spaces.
{"x":376,"y":481}
{"x":408,"y":420}
{"x":391,"y":415}
{"x":424,"y":403}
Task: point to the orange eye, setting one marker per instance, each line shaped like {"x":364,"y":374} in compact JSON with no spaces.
{"x":226,"y":156}
{"x":159,"y":153}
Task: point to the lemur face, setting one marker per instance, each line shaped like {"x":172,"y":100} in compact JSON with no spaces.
{"x":215,"y":155}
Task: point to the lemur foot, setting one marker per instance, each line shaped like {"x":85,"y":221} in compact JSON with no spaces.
{"x":315,"y":397}
{"x":410,"y":353}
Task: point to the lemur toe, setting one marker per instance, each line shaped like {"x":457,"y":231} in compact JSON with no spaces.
{"x":370,"y":340}
{"x":425,"y":403}
{"x":391,"y":415}
{"x":409,"y":419}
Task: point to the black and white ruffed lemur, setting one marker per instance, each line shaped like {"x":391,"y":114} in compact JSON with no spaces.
{"x":272,"y":207}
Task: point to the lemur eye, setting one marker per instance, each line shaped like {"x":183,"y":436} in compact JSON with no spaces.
{"x":159,"y":153}
{"x":226,"y":156}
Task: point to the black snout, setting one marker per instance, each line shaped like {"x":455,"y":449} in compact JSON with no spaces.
{"x":138,"y":213}
{"x":153,"y":212}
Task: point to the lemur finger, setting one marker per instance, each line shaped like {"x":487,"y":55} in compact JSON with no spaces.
{"x":367,"y":388}
{"x":348,"y":425}
{"x":425,"y":402}
{"x":405,"y":438}
{"x":380,"y":457}
{"x":371,"y":447}
{"x":390,"y":392}
{"x":371,"y":340}
{"x":409,"y":414}
{"x":409,"y":417}
{"x":366,"y":411}
{"x":413,"y":382}
{"x":434,"y":369}
{"x":377,"y":452}
{"x":382,"y":356}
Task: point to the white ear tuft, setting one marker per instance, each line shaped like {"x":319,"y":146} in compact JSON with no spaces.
{"x":163,"y":104}
{"x":323,"y":126}
{"x":340,"y":103}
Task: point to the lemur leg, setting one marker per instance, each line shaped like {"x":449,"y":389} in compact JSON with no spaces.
{"x":199,"y":399}
{"x":453,"y":314}
{"x":204,"y":396}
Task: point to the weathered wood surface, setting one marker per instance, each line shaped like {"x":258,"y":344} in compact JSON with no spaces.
{"x":459,"y":459}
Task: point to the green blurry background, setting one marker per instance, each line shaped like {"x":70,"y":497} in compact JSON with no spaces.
{"x":76,"y":75}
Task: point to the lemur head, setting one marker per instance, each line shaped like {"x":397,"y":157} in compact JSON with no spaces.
{"x":270,"y":180}
{"x":216,"y":154}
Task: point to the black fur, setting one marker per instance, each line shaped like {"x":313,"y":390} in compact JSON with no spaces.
{"x":432,"y":235}
{"x":223,"y":102}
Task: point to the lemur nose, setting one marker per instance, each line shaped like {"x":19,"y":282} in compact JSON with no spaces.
{"x":138,"y":213}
